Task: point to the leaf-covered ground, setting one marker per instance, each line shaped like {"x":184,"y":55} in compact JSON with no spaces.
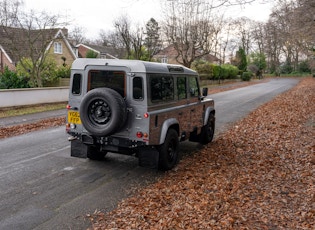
{"x":258,"y":175}
{"x":15,"y":130}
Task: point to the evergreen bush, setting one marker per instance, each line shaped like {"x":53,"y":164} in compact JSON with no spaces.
{"x":246,"y":76}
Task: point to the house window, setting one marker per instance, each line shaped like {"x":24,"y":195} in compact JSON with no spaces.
{"x":58,"y":47}
{"x":164,"y":60}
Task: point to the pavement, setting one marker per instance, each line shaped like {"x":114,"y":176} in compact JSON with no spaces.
{"x":30,"y":118}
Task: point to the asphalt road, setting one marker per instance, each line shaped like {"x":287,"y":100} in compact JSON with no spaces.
{"x":42,"y":187}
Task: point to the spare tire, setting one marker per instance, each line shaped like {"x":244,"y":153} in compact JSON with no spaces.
{"x":103,"y":111}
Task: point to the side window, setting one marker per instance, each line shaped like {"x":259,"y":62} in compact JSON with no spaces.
{"x":76,"y":84}
{"x":181,"y":88}
{"x":193,"y":87}
{"x":161,"y":88}
{"x":137,"y":88}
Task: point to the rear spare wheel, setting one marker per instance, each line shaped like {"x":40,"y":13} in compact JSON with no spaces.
{"x":103,"y":111}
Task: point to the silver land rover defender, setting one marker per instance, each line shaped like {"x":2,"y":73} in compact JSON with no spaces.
{"x":138,"y":108}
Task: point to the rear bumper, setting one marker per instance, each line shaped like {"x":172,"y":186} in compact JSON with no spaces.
{"x":108,"y":143}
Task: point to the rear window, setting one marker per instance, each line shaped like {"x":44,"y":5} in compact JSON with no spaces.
{"x":110,"y":79}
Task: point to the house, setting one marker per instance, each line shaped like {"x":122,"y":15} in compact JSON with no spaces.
{"x":169,"y":54}
{"x":101,"y":51}
{"x":16,"y":43}
{"x":5,"y":60}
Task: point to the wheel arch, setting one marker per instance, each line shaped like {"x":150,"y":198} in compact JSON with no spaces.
{"x":171,"y":123}
{"x":209,"y":110}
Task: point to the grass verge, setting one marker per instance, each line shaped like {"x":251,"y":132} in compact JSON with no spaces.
{"x":15,"y":111}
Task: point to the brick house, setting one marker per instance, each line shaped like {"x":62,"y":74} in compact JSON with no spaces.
{"x":102,"y":51}
{"x":5,"y":60}
{"x":14,"y":45}
{"x":168,"y":55}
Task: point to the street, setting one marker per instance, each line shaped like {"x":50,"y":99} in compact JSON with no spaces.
{"x":42,"y":187}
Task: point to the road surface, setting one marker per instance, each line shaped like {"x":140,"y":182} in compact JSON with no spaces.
{"x":42,"y":187}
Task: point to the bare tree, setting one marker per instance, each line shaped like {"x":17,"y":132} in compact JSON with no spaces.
{"x":188,"y":27}
{"x":132,"y":38}
{"x":258,"y":34}
{"x":293,"y":27}
{"x":243,"y":31}
{"x":304,"y":25}
{"x":194,"y":29}
{"x":26,"y":34}
{"x":137,"y":42}
{"x":77,"y":35}
{"x":123,"y":32}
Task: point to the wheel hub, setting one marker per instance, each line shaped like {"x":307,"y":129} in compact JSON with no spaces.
{"x":100,"y":112}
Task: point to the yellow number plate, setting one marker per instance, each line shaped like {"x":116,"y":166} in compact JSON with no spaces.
{"x":74,"y":117}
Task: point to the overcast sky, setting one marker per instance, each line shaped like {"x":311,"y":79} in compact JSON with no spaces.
{"x":94,"y":15}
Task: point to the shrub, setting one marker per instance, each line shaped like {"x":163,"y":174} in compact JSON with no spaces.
{"x":213,"y":71}
{"x":91,"y":54}
{"x":63,"y":72}
{"x":246,"y":76}
{"x":286,"y":68}
{"x":216,"y":71}
{"x":40,"y":74}
{"x":228,"y":71}
{"x":10,"y":80}
{"x":304,"y":67}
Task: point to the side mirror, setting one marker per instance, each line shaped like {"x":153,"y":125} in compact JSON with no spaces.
{"x":204,"y":92}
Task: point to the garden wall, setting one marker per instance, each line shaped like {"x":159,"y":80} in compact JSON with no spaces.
{"x":20,"y":97}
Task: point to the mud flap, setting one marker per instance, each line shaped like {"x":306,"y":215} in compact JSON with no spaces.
{"x":78,"y":149}
{"x":148,"y":158}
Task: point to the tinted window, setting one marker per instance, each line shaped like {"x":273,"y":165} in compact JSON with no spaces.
{"x":161,"y":88}
{"x":137,"y":88}
{"x":110,"y":79}
{"x":76,"y":84}
{"x":193,"y":87}
{"x":181,"y":88}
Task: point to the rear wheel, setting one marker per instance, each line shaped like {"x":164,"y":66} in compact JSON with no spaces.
{"x":168,"y":151}
{"x":94,"y":153}
{"x":208,"y":130}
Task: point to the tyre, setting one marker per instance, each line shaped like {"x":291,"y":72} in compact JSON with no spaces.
{"x":103,"y":111}
{"x":208,"y":130}
{"x":93,"y":153}
{"x":168,"y":151}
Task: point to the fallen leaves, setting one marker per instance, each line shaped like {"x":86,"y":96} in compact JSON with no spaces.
{"x":258,"y":175}
{"x":15,"y":130}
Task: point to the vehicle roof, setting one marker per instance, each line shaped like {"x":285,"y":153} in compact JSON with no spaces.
{"x":133,"y":65}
